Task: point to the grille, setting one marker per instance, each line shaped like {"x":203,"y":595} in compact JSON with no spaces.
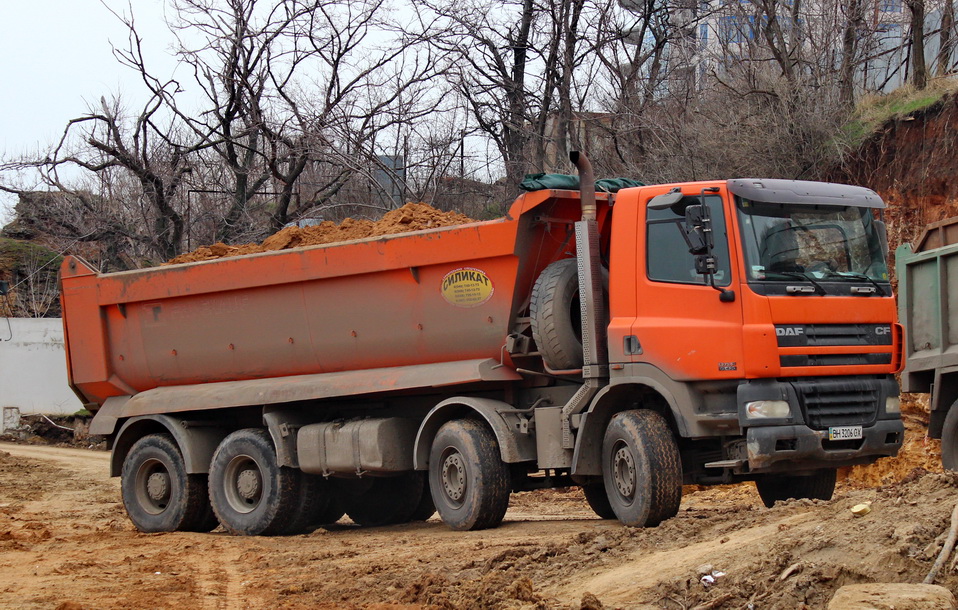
{"x":838,"y":402}
{"x":850,"y":336}
{"x":824,"y":335}
{"x":835,"y":360}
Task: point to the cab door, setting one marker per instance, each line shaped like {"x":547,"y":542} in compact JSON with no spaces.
{"x":683,"y":325}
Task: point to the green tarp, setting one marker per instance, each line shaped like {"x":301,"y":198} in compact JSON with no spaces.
{"x":535,"y":182}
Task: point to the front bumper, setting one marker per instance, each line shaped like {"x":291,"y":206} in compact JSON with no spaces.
{"x":798,"y":447}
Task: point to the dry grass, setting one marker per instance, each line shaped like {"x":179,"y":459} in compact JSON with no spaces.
{"x":874,"y":110}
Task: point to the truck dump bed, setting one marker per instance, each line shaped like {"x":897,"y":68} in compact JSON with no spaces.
{"x":447,"y":295}
{"x":928,"y":302}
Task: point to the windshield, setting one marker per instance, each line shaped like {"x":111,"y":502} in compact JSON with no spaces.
{"x":827,"y":242}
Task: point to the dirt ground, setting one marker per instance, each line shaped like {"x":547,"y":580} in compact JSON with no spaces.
{"x":66,"y":543}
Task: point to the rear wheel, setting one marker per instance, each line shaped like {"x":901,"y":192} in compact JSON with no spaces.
{"x":314,"y":499}
{"x":470,"y":484}
{"x":158,"y":494}
{"x":250,"y":492}
{"x":386,"y":500}
{"x":641,"y":468}
{"x":819,"y":485}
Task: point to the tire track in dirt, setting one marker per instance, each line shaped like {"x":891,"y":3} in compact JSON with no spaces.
{"x":642,"y":570}
{"x":96,"y":463}
{"x":217,"y":580}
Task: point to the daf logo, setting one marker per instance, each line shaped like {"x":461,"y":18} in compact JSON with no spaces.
{"x":789,"y":332}
{"x":883,"y":330}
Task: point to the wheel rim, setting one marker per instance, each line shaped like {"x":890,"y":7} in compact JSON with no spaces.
{"x":623,"y":471}
{"x":243,"y":481}
{"x":153,"y":486}
{"x":453,"y":475}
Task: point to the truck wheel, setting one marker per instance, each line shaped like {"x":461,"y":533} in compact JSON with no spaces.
{"x":598,"y":500}
{"x":775,"y":487}
{"x":556,"y":321}
{"x":386,"y":501}
{"x":426,"y":508}
{"x":250,"y":492}
{"x":641,"y":468}
{"x":331,"y":513}
{"x":949,"y":439}
{"x":158,"y":494}
{"x":314,"y":498}
{"x":470,"y":484}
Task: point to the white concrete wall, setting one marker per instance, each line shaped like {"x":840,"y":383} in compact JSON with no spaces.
{"x":33,"y":369}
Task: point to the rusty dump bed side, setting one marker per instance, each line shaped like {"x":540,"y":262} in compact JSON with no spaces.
{"x":434,"y":296}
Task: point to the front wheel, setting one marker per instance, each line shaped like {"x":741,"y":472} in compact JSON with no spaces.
{"x":641,"y":468}
{"x":470,"y":484}
{"x":250,"y":492}
{"x":819,"y":485}
{"x":158,"y":494}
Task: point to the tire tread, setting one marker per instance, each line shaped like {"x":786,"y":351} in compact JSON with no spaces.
{"x":278,"y":517}
{"x":193,"y":512}
{"x":659,"y":463}
{"x":491,"y":486}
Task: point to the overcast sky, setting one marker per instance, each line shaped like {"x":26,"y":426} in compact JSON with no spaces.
{"x":57,"y":62}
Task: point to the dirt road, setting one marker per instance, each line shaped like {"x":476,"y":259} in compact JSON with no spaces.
{"x":66,"y":543}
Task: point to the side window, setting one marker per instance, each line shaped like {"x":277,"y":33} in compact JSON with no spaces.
{"x":667,"y":251}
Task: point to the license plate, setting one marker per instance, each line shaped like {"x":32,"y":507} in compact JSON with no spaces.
{"x":844,"y":433}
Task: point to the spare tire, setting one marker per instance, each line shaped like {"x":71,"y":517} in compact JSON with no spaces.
{"x":556,"y":321}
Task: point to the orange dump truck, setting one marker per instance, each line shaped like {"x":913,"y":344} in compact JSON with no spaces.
{"x":628,"y":343}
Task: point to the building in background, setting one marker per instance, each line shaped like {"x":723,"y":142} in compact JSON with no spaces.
{"x":708,"y":38}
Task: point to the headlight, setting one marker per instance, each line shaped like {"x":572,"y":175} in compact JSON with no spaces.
{"x":761,"y":409}
{"x":892,"y":404}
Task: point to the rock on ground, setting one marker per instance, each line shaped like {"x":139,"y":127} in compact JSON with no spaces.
{"x":892,"y":596}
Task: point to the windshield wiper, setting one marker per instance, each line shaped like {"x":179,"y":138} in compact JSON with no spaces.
{"x":804,"y":276}
{"x":857,"y":276}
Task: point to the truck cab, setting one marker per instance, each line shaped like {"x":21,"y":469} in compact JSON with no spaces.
{"x":760,"y":312}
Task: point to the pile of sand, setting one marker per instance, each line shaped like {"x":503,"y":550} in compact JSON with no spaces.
{"x":410,"y":217}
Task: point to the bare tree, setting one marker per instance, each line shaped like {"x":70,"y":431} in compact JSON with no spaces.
{"x":489,"y":49}
{"x":919,"y":69}
{"x":946,"y":47}
{"x":104,"y":142}
{"x":227,"y":46}
{"x":365,"y":96}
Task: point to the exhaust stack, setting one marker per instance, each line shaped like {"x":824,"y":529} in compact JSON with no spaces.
{"x":591,"y":303}
{"x":586,"y":184}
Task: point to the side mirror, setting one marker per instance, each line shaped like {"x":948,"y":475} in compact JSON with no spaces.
{"x":666,"y":200}
{"x":698,"y":229}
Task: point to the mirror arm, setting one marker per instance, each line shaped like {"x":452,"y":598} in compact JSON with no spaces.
{"x":725,"y":295}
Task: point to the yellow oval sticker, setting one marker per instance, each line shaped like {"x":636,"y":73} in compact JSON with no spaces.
{"x":467,"y":287}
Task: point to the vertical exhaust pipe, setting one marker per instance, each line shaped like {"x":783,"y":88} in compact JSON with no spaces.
{"x":586,"y":184}
{"x":591,"y":305}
